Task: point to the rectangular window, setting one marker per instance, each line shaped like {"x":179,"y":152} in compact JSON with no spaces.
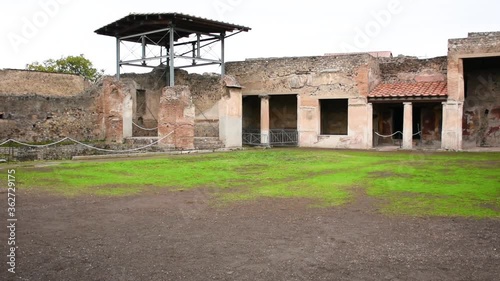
{"x":334,"y":116}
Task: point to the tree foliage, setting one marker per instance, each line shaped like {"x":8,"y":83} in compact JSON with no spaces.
{"x":78,"y":65}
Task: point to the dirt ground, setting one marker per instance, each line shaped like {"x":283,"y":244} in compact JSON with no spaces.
{"x":182,"y":236}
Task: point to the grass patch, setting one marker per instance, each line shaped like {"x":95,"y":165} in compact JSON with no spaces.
{"x":436,"y":184}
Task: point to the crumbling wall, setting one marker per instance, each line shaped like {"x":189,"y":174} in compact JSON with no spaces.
{"x":35,"y":118}
{"x":23,"y":82}
{"x":206,"y":91}
{"x":43,"y":107}
{"x":150,"y":85}
{"x":116,"y":106}
{"x":314,"y":76}
{"x":484,"y":34}
{"x":176,"y":118}
{"x":412,"y":69}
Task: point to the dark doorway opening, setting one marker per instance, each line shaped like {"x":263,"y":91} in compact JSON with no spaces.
{"x":251,"y":113}
{"x":429,"y":124}
{"x":283,"y":112}
{"x":388,"y":124}
{"x":283,"y":120}
{"x":417,"y":122}
{"x":397,"y":122}
{"x":251,"y":120}
{"x":481,"y":118}
{"x":145,"y":123}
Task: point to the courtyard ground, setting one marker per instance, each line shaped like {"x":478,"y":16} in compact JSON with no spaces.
{"x":259,"y":215}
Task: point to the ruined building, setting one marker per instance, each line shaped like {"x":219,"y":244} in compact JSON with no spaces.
{"x":355,"y":101}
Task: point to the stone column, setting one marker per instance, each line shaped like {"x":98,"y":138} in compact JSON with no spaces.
{"x":264,"y":119}
{"x":369,"y":126}
{"x":128,"y":113}
{"x":408,"y":126}
{"x":231,"y":118}
{"x":299,"y":118}
{"x":116,"y":103}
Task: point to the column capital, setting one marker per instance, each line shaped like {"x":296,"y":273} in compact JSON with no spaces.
{"x":407,"y":103}
{"x":264,"y":96}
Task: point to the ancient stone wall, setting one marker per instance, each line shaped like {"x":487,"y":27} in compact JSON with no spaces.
{"x":316,"y":76}
{"x":24,"y":82}
{"x":44,"y":118}
{"x":483,"y":34}
{"x":116,"y":105}
{"x":411,"y":69}
{"x":473,"y":92}
{"x":206,"y":91}
{"x":472,"y":47}
{"x":311,"y":79}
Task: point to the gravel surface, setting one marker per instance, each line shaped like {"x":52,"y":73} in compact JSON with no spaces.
{"x":182,"y":236}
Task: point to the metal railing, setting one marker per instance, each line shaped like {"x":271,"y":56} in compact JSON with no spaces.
{"x":284,"y":137}
{"x":276,"y":137}
{"x":252,"y":137}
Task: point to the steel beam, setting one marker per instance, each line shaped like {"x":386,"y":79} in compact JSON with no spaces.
{"x":145,"y":33}
{"x":168,"y":57}
{"x":198,"y":59}
{"x":197,"y":32}
{"x":195,"y":41}
{"x":201,"y":64}
{"x":139,"y":65}
{"x":203,"y":46}
{"x":145,"y":59}
{"x":178,"y":67}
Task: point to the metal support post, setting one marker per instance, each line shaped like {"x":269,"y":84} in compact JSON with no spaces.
{"x":118,"y":42}
{"x":172,"y":57}
{"x":194,"y":53}
{"x":143,"y":43}
{"x":223,"y":63}
{"x":198,"y":43}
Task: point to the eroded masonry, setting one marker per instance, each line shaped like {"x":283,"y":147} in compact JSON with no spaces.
{"x":355,"y":101}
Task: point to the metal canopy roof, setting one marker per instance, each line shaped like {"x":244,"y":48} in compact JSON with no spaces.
{"x":135,"y":24}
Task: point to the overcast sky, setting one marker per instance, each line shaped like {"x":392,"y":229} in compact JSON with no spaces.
{"x":35,"y":30}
